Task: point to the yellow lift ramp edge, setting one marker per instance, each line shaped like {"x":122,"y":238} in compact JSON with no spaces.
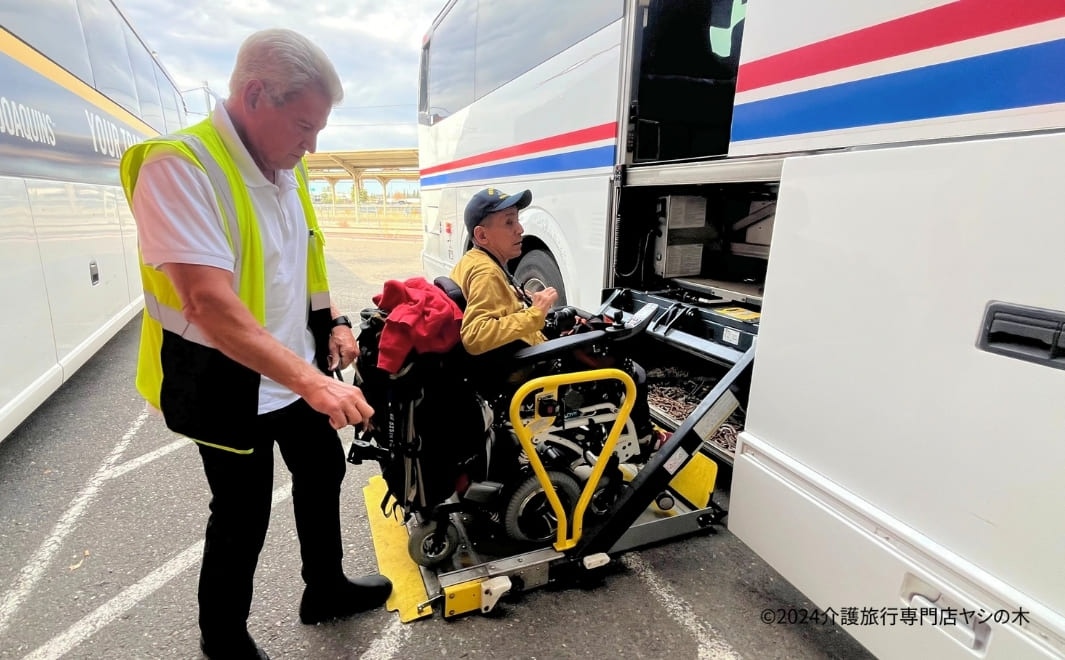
{"x":465,"y":592}
{"x":408,"y":597}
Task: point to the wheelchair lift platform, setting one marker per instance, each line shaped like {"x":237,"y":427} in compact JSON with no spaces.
{"x":670,"y":496}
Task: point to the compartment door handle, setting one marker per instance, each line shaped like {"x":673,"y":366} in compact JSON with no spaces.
{"x":1024,"y":333}
{"x":971,"y":634}
{"x":930,"y":601}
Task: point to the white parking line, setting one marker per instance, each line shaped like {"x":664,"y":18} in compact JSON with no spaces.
{"x":32,"y":571}
{"x":711,"y":645}
{"x":65,"y":642}
{"x":133,"y":464}
{"x":390,"y":643}
{"x":68,"y":640}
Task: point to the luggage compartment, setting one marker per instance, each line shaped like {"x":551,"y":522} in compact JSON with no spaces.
{"x":708,"y":243}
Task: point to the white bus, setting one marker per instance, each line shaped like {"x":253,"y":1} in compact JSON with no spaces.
{"x":531,"y":103}
{"x":78,"y":87}
{"x":864,"y":198}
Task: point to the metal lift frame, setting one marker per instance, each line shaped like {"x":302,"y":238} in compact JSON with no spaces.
{"x":575,"y":550}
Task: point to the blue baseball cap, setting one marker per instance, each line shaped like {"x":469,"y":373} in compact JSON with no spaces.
{"x":491,"y":200}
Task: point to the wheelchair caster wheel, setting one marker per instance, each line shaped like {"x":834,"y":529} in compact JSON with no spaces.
{"x":429,"y":549}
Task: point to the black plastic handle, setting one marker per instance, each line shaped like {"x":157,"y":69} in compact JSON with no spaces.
{"x":1025,"y":333}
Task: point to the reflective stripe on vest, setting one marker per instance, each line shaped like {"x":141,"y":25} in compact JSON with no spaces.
{"x":173,"y":320}
{"x":224,"y":193}
{"x":317,"y":281}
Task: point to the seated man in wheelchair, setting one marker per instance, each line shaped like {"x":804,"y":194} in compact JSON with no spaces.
{"x":441,"y":429}
{"x":498,"y":312}
{"x":500,"y":317}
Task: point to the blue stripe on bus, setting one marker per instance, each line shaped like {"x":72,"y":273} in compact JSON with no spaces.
{"x":1035,"y":76}
{"x":571,"y":160}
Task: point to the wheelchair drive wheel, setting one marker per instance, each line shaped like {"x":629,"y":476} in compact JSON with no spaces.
{"x":529,"y":516}
{"x":428,"y":548}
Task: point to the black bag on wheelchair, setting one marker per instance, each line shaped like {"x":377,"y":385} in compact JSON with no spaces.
{"x":431,"y":426}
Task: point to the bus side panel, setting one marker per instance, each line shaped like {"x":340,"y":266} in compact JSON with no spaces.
{"x":868,"y":373}
{"x":776,"y":26}
{"x":551,"y":130}
{"x":861,"y":576}
{"x":432,"y":229}
{"x":29,"y":365}
{"x":441,"y":249}
{"x":84,"y":267}
{"x":116,"y":204}
{"x":566,"y":216}
{"x":824,"y":74}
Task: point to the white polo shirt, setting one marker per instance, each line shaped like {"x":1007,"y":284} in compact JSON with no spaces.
{"x":179,"y":221}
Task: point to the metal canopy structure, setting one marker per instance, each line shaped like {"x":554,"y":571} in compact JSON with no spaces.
{"x":346,"y":164}
{"x":381,"y":165}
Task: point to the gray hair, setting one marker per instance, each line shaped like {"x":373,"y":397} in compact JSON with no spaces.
{"x":286,"y":62}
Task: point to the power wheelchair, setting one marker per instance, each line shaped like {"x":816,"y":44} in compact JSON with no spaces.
{"x":444,"y":432}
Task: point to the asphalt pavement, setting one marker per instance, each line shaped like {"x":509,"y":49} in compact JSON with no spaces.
{"x":102,"y":511}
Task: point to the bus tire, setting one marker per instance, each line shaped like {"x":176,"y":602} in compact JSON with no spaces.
{"x":540,"y":264}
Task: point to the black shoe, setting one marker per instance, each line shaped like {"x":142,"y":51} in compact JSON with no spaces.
{"x":241,"y":647}
{"x":324,"y":603}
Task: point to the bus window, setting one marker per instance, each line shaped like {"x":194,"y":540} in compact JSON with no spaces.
{"x":179,"y":106}
{"x":107,"y":52}
{"x":451,"y":65}
{"x":168,"y":95}
{"x":423,"y":88}
{"x":52,"y":27}
{"x":505,"y":49}
{"x":144,"y":77}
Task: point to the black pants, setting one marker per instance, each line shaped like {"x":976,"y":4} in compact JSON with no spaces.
{"x":241,"y":488}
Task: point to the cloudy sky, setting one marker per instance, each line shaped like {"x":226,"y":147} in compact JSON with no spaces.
{"x":375,"y":45}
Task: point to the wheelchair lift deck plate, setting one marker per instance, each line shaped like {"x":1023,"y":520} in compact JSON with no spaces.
{"x":484,"y":570}
{"x":485,"y":567}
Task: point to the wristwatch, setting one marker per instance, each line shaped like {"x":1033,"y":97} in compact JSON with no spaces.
{"x":340,"y":320}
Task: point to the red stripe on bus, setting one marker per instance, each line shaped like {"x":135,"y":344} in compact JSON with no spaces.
{"x":950,"y":23}
{"x":573,"y":138}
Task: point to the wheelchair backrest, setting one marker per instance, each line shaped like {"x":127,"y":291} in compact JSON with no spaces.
{"x":452,"y":290}
{"x":427,"y":416}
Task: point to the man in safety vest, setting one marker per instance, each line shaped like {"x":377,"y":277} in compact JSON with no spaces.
{"x":239,"y":334}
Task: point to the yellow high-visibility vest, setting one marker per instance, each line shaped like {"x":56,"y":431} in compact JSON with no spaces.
{"x":202,"y":393}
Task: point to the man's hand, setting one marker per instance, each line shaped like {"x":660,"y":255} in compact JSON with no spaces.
{"x":342,"y":348}
{"x":343,"y":403}
{"x":545,"y":300}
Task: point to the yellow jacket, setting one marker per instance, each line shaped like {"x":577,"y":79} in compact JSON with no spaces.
{"x":495,"y":313}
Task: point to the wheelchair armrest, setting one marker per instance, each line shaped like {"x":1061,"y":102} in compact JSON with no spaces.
{"x":581,"y":313}
{"x":555,"y":347}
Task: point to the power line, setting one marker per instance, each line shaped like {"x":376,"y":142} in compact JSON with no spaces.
{"x":335,"y":124}
{"x":395,"y":123}
{"x":374,"y":107}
